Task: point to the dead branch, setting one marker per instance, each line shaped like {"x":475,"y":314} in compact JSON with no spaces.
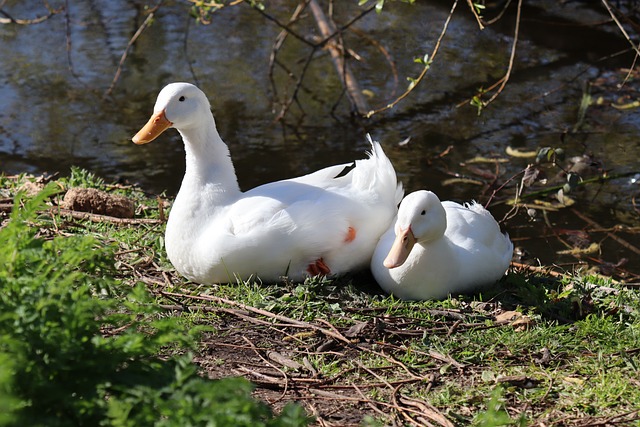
{"x":285,"y":320}
{"x":88,"y":216}
{"x":538,"y":269}
{"x":594,"y":224}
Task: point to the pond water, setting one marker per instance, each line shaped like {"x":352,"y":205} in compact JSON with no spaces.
{"x":55,"y":112}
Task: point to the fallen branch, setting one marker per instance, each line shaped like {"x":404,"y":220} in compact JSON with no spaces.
{"x":618,"y":239}
{"x":88,"y":216}
{"x":286,"y":320}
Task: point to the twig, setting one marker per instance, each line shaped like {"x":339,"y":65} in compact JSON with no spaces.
{"x":497,"y":17}
{"x":67,"y":26}
{"x":620,"y":27}
{"x":297,"y":87}
{"x":132,"y":40}
{"x":185,"y":45}
{"x":286,"y":320}
{"x":421,"y":76}
{"x":475,"y":14}
{"x":8,"y":19}
{"x":284,"y":375}
{"x":427,"y":410}
{"x":336,"y":50}
{"x":103,"y":218}
{"x":285,"y":27}
{"x":368,"y":401}
{"x":280,"y":39}
{"x":503,"y":81}
{"x":8,"y":207}
{"x":618,"y":239}
{"x":537,"y":269}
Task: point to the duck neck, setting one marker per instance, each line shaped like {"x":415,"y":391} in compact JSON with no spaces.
{"x":210,"y":175}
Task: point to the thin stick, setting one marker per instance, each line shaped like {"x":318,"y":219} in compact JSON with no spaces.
{"x":475,"y":14}
{"x":185,"y":44}
{"x":67,"y":26}
{"x":620,"y":27}
{"x":133,"y":39}
{"x":265,"y":313}
{"x":88,"y":216}
{"x":273,"y":60}
{"x":420,"y":77}
{"x":8,"y":19}
{"x":505,"y":78}
{"x":618,"y":239}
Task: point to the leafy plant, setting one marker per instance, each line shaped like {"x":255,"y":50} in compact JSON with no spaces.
{"x":495,"y":415}
{"x":79,"y":348}
{"x":83,"y":178}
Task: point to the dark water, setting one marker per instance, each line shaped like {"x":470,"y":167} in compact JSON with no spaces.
{"x":54,"y":112}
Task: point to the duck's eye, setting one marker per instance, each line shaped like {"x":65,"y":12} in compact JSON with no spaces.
{"x":182,"y":98}
{"x":423,"y":212}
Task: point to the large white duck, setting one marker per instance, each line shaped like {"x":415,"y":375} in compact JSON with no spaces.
{"x":327,"y":222}
{"x":436,"y":248}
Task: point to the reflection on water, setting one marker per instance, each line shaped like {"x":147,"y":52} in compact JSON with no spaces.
{"x":53,"y":113}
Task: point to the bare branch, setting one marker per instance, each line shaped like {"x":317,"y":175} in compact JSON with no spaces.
{"x":8,"y":19}
{"x":619,"y":24}
{"x":419,"y":79}
{"x":133,"y":39}
{"x":503,"y":81}
{"x":475,"y":14}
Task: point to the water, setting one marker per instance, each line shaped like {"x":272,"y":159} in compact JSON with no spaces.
{"x":54,"y":112}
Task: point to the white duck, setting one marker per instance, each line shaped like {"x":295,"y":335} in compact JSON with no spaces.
{"x":435,"y":249}
{"x":327,"y":222}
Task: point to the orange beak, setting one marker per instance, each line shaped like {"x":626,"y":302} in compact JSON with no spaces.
{"x":400,"y":249}
{"x":157,"y":124}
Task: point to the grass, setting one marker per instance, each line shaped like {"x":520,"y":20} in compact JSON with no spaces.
{"x":532,"y":350}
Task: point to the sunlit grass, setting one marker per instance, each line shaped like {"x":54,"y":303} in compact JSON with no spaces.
{"x":577,"y":355}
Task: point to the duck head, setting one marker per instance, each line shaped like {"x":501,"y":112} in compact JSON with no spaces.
{"x":421,"y":219}
{"x":179,"y":105}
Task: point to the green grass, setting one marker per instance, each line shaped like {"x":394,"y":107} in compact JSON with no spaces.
{"x":574,"y":360}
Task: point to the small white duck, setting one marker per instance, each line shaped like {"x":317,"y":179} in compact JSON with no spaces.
{"x":327,"y":222}
{"x":435,"y":249}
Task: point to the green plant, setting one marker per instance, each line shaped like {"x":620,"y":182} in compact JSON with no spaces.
{"x":77,"y":347}
{"x":495,"y":415}
{"x":83,"y":178}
